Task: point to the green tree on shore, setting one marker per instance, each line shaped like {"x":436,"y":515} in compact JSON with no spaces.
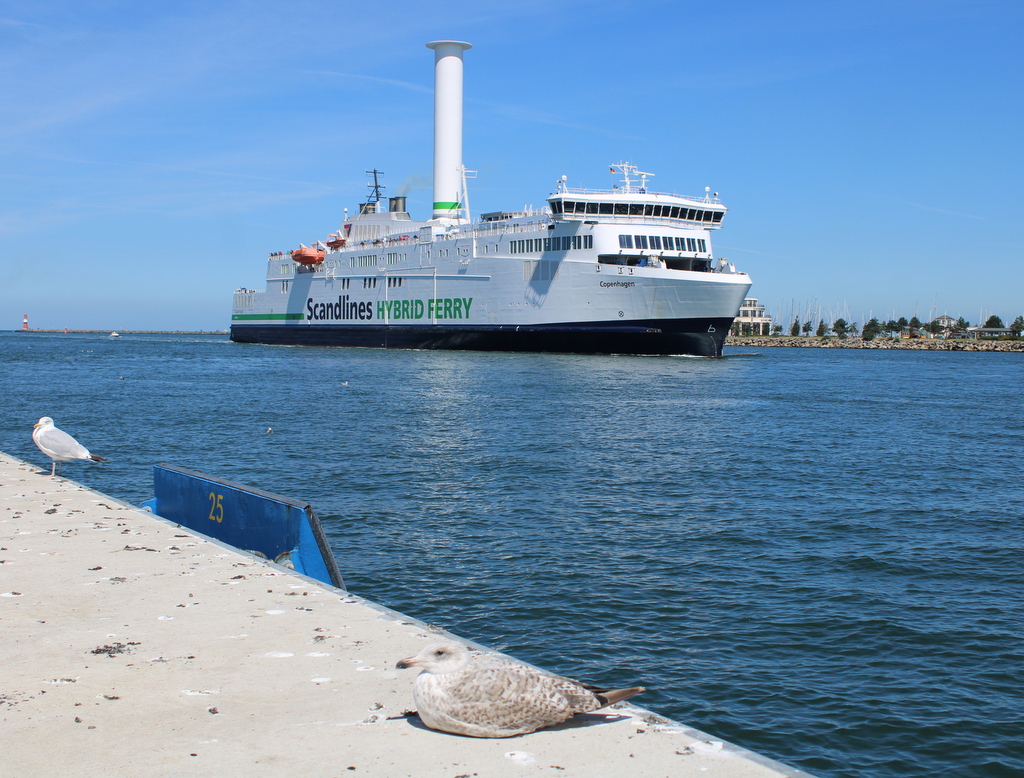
{"x":841,"y":328}
{"x":892,"y":326}
{"x":807,"y":327}
{"x":961,"y":325}
{"x":795,"y":329}
{"x":1018,"y":326}
{"x":872,"y":329}
{"x":822,"y":329}
{"x":994,"y":322}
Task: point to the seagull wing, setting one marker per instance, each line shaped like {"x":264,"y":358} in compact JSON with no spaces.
{"x":508,"y":699}
{"x":57,"y":444}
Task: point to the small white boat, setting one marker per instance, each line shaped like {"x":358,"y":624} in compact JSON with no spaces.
{"x":114,"y":335}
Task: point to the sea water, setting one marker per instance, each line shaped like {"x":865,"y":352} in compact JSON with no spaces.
{"x":813,"y":553}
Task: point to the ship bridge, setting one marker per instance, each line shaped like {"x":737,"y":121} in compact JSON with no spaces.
{"x":632,"y":201}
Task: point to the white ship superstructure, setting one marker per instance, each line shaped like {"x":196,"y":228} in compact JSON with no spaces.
{"x":625,"y":270}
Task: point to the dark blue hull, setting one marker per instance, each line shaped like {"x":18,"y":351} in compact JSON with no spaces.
{"x":698,"y":337}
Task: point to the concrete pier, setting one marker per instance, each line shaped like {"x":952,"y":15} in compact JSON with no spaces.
{"x":131,"y":646}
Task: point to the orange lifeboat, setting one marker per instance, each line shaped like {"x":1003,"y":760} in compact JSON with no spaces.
{"x":335,"y":241}
{"x":305,"y":256}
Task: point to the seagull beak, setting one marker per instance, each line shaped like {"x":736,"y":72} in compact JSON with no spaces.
{"x":405,"y":664}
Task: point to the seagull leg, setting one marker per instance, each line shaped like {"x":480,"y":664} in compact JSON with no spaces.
{"x":53,"y":468}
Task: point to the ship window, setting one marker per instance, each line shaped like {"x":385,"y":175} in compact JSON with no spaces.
{"x":656,"y":242}
{"x":636,"y":209}
{"x":648,"y":210}
{"x":700,"y":216}
{"x":702,"y":246}
{"x":622,"y":208}
{"x":675,"y":212}
{"x":591,"y":207}
{"x":625,"y":241}
{"x":607,"y":207}
{"x":570,"y":207}
{"x":680,"y":244}
{"x":718,"y":217}
{"x":641,"y":241}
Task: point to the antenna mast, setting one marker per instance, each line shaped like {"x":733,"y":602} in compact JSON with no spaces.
{"x":375,"y":188}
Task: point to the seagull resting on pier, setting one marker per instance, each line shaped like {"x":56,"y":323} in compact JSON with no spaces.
{"x":58,"y":445}
{"x":491,"y":697}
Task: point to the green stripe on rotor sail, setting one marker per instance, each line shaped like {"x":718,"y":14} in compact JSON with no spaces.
{"x":447,"y":206}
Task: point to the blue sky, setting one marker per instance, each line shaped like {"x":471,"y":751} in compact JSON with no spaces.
{"x":152,"y":154}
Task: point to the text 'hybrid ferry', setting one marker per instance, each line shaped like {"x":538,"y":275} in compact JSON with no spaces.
{"x":620,"y":271}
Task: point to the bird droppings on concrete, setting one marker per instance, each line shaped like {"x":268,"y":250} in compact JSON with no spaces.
{"x":150,"y":668}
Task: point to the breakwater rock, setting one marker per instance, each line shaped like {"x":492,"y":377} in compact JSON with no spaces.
{"x":915,"y":344}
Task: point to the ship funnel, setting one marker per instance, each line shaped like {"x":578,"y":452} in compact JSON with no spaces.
{"x":396,"y":204}
{"x":448,"y":193}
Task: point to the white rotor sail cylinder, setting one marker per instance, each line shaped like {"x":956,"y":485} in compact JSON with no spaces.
{"x":448,"y":128}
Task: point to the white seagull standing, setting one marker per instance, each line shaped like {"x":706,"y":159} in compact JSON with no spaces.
{"x":58,"y":445}
{"x":491,"y":697}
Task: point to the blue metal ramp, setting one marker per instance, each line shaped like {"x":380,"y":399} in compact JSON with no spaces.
{"x":283,"y":530}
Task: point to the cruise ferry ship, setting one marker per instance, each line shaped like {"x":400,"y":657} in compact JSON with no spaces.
{"x":620,"y":271}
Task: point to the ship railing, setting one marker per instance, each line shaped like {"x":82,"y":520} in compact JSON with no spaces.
{"x":636,"y":190}
{"x":502,"y":228}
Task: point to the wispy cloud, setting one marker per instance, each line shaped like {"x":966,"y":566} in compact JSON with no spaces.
{"x":510,"y":111}
{"x":934,"y":208}
{"x":5,"y":22}
{"x":525,"y":114}
{"x":377,"y":79}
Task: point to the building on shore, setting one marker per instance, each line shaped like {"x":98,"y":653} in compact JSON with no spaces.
{"x":752,"y":319}
{"x":976,"y":333}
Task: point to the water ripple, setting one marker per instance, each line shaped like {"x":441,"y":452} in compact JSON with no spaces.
{"x":811,"y":554}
